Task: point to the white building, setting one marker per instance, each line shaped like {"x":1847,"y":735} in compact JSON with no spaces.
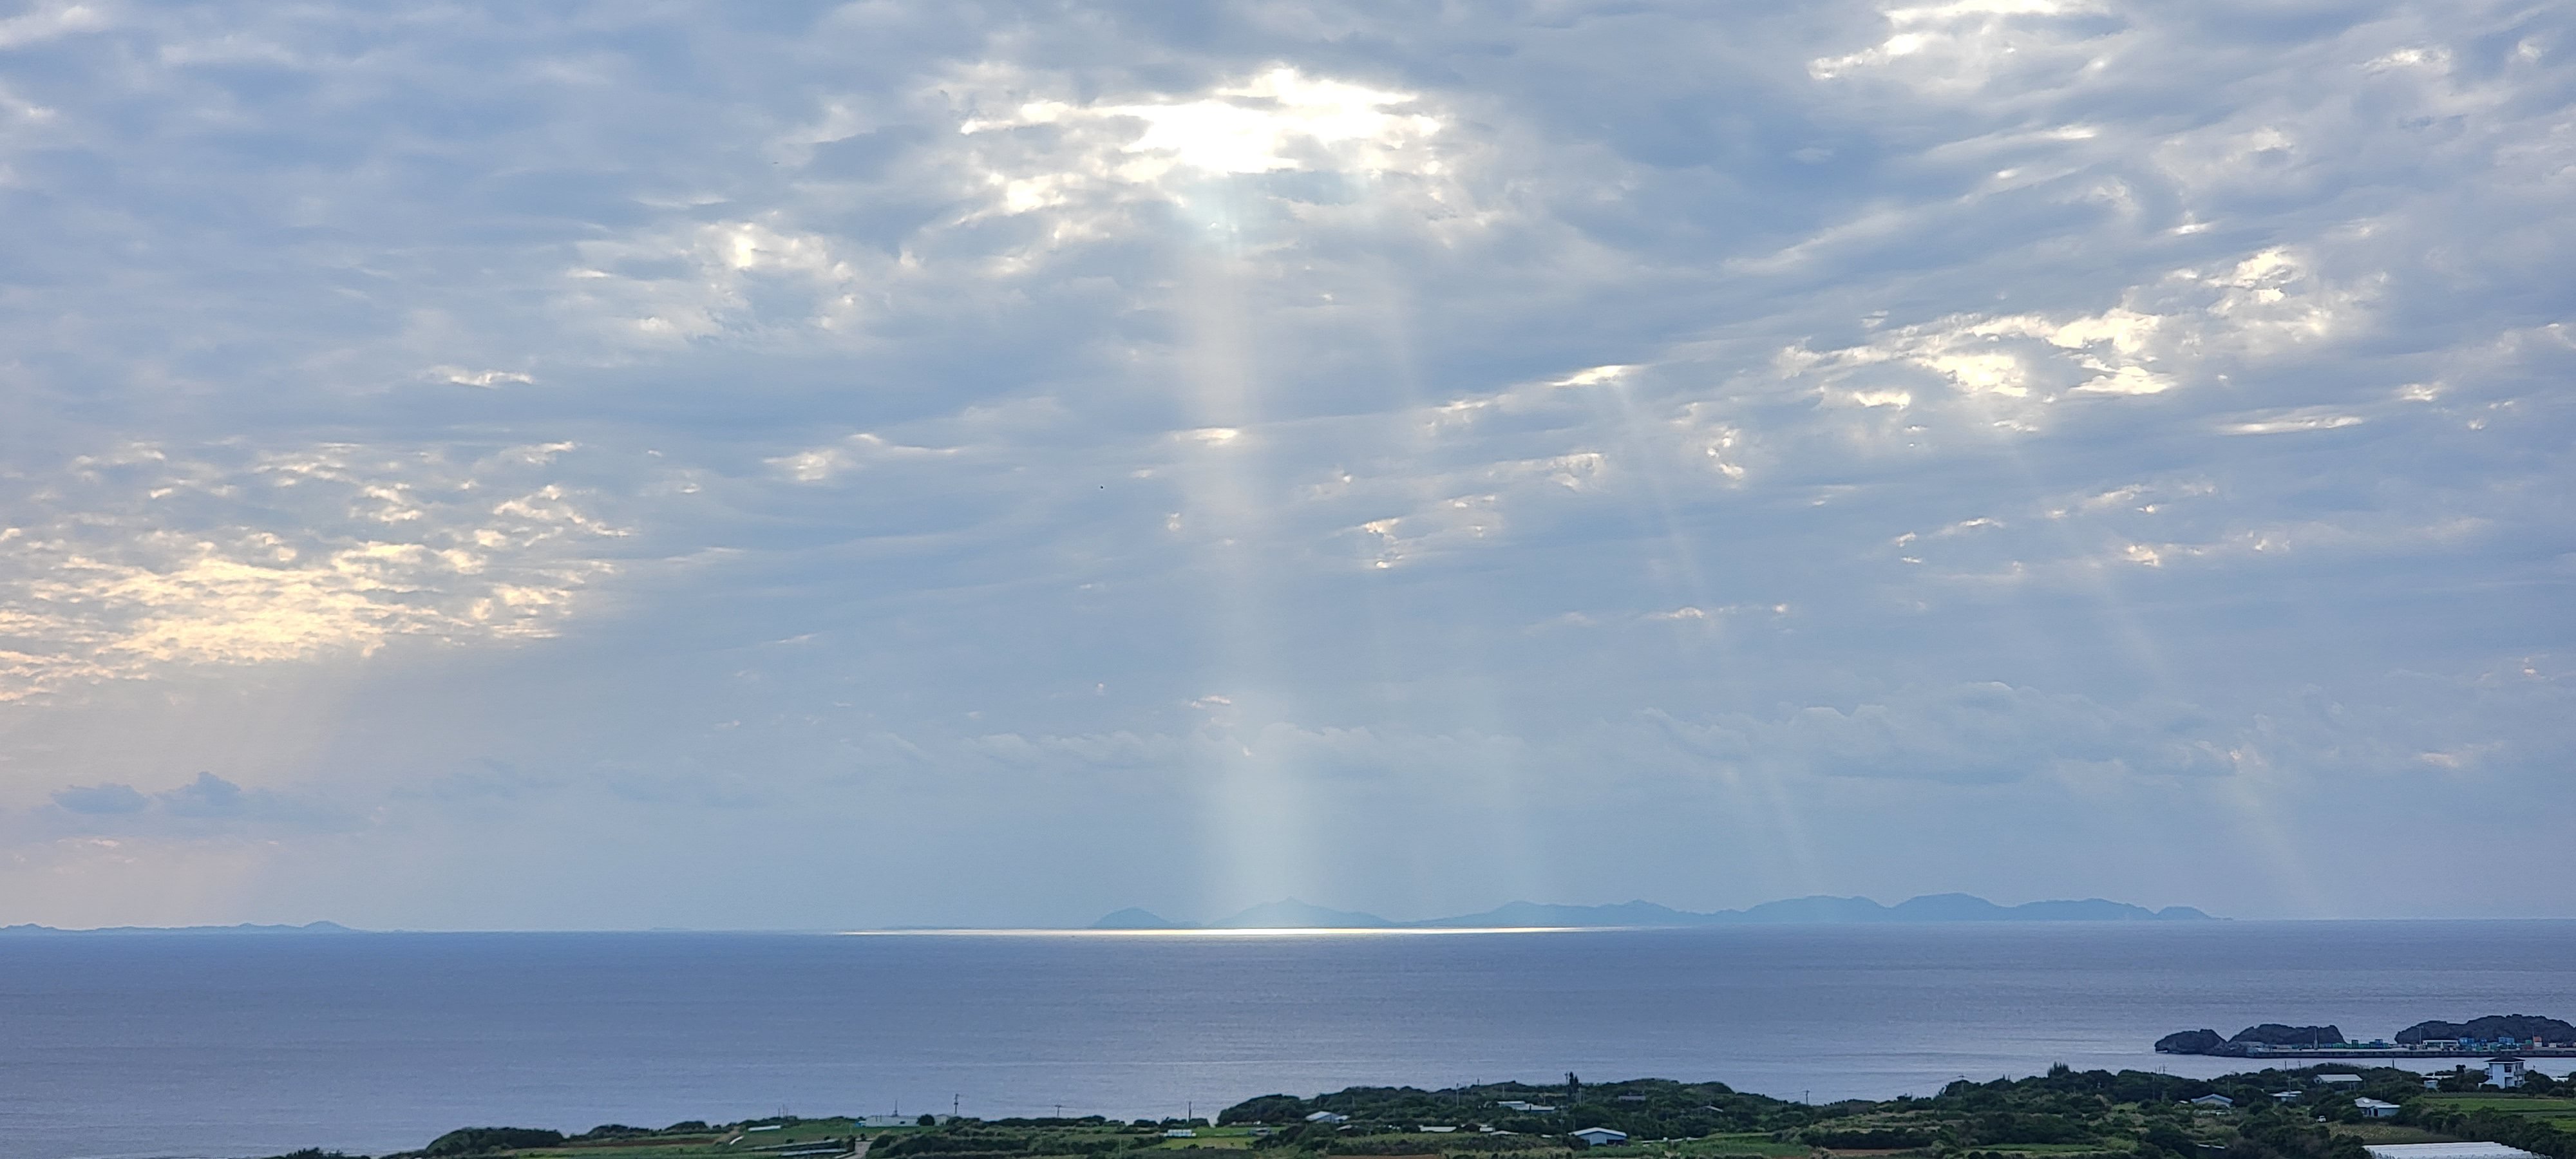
{"x":2505,"y":1071}
{"x":2286,"y":1096}
{"x":2446,"y":1151}
{"x":1599,"y":1136}
{"x":2374,"y":1109}
{"x":1180,"y":1133}
{"x":1327,"y":1117}
{"x":2340,"y":1080}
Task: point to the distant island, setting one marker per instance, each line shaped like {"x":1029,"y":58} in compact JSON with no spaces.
{"x":1292,"y":914}
{"x":30,"y":929}
{"x":2492,"y":1034}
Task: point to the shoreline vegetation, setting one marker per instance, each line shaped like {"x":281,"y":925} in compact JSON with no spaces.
{"x":2064,"y":1114}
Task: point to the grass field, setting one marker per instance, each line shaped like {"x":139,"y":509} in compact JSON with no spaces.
{"x":2556,"y":1112}
{"x":2371,"y":1133}
{"x":803,"y":1135}
{"x":809,"y":1135}
{"x":2052,"y":1149}
{"x":2517,"y":1104}
{"x":1760,"y":1146}
{"x":1216,"y":1139}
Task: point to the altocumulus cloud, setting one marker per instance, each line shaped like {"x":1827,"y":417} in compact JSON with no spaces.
{"x":938,"y":463}
{"x":204,"y":801}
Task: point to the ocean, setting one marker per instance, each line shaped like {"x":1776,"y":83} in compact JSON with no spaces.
{"x":237,"y":1045}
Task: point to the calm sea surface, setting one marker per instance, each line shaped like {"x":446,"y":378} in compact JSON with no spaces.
{"x":175,"y":1045}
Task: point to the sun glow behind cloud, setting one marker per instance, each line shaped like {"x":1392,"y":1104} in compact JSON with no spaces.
{"x":327,"y":550}
{"x":1280,"y":120}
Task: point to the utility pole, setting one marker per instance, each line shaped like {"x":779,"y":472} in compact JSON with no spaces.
{"x":952,"y":1104}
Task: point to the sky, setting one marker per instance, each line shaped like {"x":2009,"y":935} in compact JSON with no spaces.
{"x":624,"y":465}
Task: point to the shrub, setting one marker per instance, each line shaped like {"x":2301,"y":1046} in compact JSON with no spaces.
{"x":1872,"y":1139}
{"x":488,"y":1141}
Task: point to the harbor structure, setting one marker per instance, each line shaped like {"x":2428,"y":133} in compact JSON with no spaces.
{"x":2429,"y":1048}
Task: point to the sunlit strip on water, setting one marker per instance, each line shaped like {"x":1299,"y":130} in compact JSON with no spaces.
{"x":1266,"y":932}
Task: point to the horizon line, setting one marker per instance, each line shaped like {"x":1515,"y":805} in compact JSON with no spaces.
{"x":26,"y":929}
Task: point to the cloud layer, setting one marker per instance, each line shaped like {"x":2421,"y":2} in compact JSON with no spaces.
{"x":882,"y":463}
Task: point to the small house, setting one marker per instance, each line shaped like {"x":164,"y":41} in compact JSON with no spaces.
{"x":2506,"y":1071}
{"x":2214,"y":1102}
{"x":1599,"y":1137}
{"x":1327,"y":1117}
{"x":2375,"y":1109}
{"x":2286,"y":1096}
{"x":2340,"y":1080}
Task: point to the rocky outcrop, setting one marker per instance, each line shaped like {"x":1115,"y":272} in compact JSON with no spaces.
{"x":2275,"y":1034}
{"x":2268,"y":1034}
{"x":2190,"y":1042}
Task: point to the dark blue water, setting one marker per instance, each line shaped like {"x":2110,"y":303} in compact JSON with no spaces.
{"x":243,"y":1045}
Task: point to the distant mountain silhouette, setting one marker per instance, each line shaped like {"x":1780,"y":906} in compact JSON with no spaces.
{"x":1284,"y":914}
{"x":1940,"y":907}
{"x":1292,"y":914}
{"x":244,"y":928}
{"x":1526,"y":914}
{"x":1133,"y":918}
